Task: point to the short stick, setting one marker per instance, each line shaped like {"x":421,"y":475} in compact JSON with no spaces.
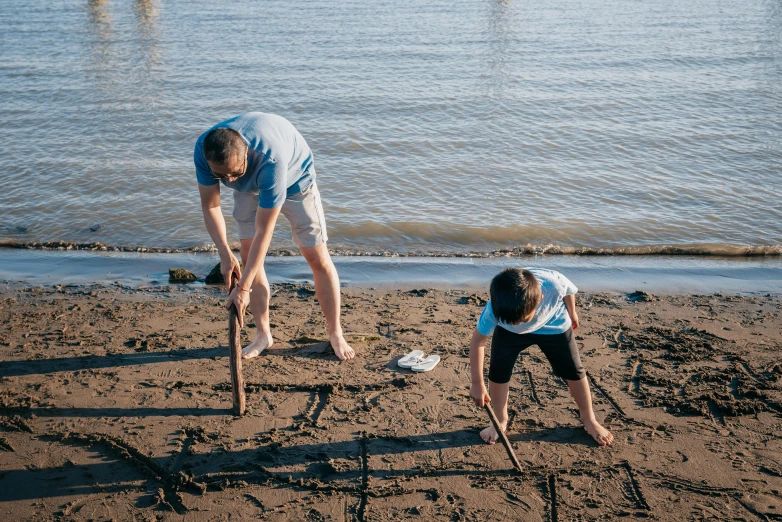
{"x":503,"y":438}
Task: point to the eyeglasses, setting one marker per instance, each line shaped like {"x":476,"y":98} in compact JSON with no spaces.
{"x":232,"y":175}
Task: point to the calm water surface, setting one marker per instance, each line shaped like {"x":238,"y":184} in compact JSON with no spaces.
{"x":458,"y":125}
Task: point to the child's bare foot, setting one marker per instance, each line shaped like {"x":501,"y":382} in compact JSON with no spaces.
{"x":601,"y":435}
{"x":490,"y":435}
{"x":341,"y":347}
{"x":259,"y":344}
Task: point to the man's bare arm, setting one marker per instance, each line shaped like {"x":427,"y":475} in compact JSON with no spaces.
{"x":265,"y":219}
{"x":213,"y":216}
{"x":215,"y":226}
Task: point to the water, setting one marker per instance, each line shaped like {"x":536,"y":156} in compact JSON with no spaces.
{"x":436,"y":126}
{"x":658,"y":275}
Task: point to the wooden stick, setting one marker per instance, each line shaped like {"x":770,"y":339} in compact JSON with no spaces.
{"x":235,"y":355}
{"x":503,"y":438}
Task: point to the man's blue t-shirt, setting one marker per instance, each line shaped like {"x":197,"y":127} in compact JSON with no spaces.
{"x":550,"y":317}
{"x":279,"y":161}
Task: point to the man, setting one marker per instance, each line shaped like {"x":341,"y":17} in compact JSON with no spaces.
{"x":269,"y":166}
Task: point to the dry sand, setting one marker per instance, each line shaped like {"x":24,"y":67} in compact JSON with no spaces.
{"x":115,"y":404}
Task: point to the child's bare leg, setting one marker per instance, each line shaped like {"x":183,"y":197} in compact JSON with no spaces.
{"x":582,"y":395}
{"x":499,"y":403}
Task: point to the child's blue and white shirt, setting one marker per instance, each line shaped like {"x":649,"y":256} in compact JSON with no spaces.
{"x":550,"y":317}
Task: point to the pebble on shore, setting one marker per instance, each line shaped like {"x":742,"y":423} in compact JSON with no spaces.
{"x":181,"y":275}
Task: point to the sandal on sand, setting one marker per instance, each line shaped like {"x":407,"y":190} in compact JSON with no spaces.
{"x":411,"y":359}
{"x":427,"y":364}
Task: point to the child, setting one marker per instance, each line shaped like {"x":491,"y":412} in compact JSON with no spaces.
{"x":530,"y":306}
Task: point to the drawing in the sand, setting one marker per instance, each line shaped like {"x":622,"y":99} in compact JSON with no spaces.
{"x":269,"y":166}
{"x":528,"y":307}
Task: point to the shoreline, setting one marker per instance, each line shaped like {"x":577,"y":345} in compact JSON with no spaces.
{"x":718,"y":250}
{"x":653,"y":274}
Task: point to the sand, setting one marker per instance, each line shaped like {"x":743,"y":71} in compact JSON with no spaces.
{"x":115,"y":403}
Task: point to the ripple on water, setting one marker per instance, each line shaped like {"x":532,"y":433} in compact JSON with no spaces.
{"x":465,"y":126}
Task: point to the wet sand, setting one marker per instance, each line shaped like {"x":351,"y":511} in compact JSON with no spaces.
{"x":115,"y":404}
{"x":661,"y":274}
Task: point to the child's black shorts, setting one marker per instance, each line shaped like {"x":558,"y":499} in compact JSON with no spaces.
{"x":560,"y":350}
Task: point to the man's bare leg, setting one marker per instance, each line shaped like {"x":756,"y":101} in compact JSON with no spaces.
{"x":582,"y":395}
{"x":327,"y":291}
{"x":499,"y":403}
{"x":259,"y":307}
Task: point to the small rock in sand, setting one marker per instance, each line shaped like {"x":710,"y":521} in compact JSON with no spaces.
{"x":215,"y":277}
{"x":180,"y":274}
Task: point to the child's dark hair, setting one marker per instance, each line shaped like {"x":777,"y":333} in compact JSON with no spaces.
{"x":515,"y":294}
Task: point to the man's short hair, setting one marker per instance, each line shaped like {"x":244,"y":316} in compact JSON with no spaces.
{"x":220,"y":144}
{"x":515,"y":294}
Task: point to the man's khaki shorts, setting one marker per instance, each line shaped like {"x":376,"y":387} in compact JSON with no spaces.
{"x":303,"y":210}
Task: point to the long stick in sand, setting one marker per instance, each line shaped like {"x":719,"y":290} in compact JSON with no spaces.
{"x":503,"y":438}
{"x":235,"y":354}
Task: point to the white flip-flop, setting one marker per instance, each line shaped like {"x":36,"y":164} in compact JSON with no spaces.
{"x":427,"y":364}
{"x":411,"y":359}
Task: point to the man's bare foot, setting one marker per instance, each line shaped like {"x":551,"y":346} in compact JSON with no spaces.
{"x":490,"y":435}
{"x":341,"y":347}
{"x":259,"y":344}
{"x":601,"y":435}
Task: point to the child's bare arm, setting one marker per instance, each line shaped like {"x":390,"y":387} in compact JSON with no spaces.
{"x":570,"y":304}
{"x":478,"y":387}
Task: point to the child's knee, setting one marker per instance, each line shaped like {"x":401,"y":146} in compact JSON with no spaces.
{"x":500,"y":374}
{"x":579,"y":373}
{"x":576,"y":373}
